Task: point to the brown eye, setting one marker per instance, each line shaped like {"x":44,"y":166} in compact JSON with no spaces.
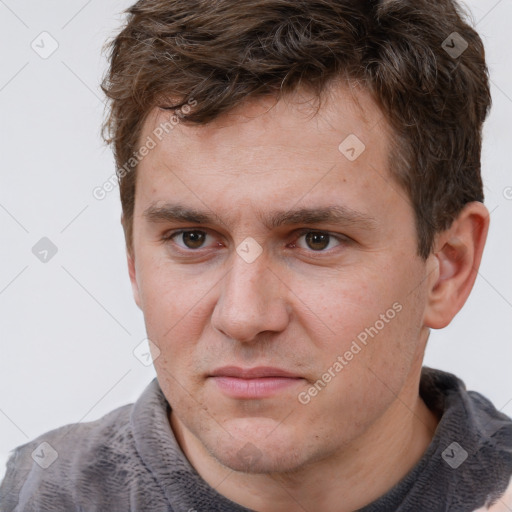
{"x":193,"y":239}
{"x":317,"y":241}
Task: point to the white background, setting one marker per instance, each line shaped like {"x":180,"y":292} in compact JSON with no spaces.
{"x":69,"y":326}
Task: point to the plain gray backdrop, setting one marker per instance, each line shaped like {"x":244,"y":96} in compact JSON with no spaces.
{"x":69,"y":325}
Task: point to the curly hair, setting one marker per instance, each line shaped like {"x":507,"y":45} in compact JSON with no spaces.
{"x":219,"y":53}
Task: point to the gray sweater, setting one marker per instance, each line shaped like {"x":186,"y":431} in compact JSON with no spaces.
{"x":129,"y":460}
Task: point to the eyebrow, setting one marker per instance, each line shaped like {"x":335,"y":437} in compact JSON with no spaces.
{"x":334,"y":214}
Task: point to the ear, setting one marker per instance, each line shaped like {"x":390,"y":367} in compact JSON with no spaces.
{"x":453,"y":264}
{"x":132,"y":270}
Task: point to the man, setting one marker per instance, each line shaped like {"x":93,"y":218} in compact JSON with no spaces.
{"x":302,"y":203}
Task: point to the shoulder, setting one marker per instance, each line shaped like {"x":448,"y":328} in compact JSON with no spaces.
{"x":66,"y":464}
{"x":501,"y":504}
{"x":483,"y":436}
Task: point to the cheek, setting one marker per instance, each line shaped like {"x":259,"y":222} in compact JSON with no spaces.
{"x":174,"y":304}
{"x":342,"y":305}
{"x":167,"y":286}
{"x":376,"y":359}
{"x":372,"y":319}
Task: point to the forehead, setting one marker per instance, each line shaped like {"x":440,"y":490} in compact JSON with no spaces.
{"x":271,"y":149}
{"x":300,"y":119}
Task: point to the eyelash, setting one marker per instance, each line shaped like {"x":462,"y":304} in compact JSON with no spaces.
{"x":341,"y":239}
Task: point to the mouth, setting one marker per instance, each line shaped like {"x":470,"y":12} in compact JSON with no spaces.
{"x":247,"y":383}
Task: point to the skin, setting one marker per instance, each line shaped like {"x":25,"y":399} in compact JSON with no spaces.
{"x":297,"y":306}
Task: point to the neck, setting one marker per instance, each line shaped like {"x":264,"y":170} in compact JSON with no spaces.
{"x":348,"y":480}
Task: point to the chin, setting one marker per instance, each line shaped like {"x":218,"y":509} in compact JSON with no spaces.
{"x":259,"y":446}
{"x":249,"y":458}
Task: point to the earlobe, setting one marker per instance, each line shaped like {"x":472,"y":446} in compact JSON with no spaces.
{"x":457,"y":256}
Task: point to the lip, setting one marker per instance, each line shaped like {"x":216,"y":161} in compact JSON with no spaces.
{"x":259,"y":382}
{"x":252,"y":373}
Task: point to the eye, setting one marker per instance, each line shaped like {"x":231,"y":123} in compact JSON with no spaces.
{"x":318,"y":240}
{"x":193,"y":239}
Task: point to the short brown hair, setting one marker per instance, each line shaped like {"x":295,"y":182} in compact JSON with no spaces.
{"x":222,"y":52}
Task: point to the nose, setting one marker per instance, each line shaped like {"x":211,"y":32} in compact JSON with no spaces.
{"x":253,"y":300}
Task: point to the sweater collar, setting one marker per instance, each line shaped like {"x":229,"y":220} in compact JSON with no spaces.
{"x":470,"y":428}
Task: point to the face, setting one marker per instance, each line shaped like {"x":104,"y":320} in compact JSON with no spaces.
{"x":279,"y":278}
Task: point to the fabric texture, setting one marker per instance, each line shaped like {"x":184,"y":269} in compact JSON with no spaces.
{"x":129,"y":460}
